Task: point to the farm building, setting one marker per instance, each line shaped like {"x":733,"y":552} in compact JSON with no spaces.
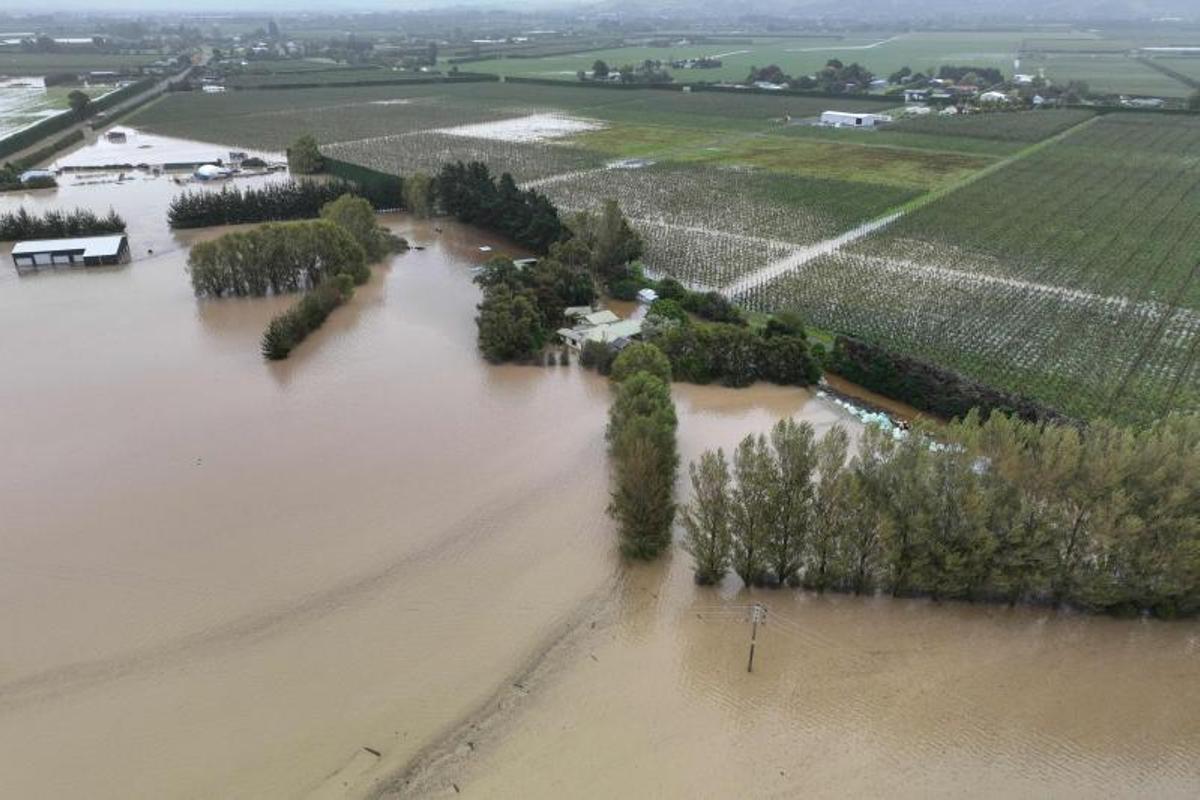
{"x":91,"y":251}
{"x":846,"y":119}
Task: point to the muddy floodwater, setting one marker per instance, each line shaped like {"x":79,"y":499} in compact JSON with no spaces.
{"x":383,"y":567}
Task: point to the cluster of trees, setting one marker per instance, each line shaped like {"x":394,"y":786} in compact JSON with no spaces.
{"x":54,"y":224}
{"x":604,"y":244}
{"x":270,"y":203}
{"x":274,"y":258}
{"x":643,"y":450}
{"x":292,"y":326}
{"x":469,"y":192}
{"x":355,"y":215}
{"x":304,"y":157}
{"x":712,"y":306}
{"x":835,"y":77}
{"x":522,"y":307}
{"x":970,"y":76}
{"x":1105,"y":519}
{"x":733,"y":355}
{"x":648,"y":71}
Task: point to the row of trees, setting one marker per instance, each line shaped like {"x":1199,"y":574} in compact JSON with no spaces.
{"x":643,"y":451}
{"x":272,"y":203}
{"x":472,"y":195}
{"x":274,"y":258}
{"x":1104,"y":519}
{"x":294,"y":325}
{"x":55,"y":224}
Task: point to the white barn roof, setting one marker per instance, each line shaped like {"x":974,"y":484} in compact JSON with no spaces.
{"x":91,"y":246}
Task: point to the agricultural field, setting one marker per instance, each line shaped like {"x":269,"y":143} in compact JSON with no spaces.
{"x":882,"y":52}
{"x":1105,"y":73}
{"x":17,"y":63}
{"x":1187,"y":65}
{"x":711,"y":226}
{"x":23,"y":105}
{"x":1068,"y":275}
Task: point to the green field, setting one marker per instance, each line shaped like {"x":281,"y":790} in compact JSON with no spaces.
{"x":1108,"y":74}
{"x":1069,"y":275}
{"x":13,"y":63}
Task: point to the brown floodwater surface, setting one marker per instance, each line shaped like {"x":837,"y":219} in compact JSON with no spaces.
{"x":221,"y":577}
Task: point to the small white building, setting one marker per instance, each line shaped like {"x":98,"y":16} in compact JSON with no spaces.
{"x":847,"y":119}
{"x":87,"y":251}
{"x":30,"y":175}
{"x":212,"y":89}
{"x":209,"y":172}
{"x":647,"y":296}
{"x":993,"y":98}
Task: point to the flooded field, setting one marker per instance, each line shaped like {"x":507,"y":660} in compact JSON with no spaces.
{"x":383,"y":566}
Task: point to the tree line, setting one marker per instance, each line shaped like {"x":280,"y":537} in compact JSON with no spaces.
{"x":274,"y":258}
{"x":643,"y":451}
{"x":1104,"y":519}
{"x":54,"y":224}
{"x":272,"y":203}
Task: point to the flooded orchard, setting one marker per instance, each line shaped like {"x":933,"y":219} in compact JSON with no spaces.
{"x":384,"y":566}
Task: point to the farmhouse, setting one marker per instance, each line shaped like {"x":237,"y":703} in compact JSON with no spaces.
{"x":846,"y":119}
{"x":596,"y":326}
{"x":91,"y":251}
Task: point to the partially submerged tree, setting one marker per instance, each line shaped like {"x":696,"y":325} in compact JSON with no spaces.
{"x":706,"y":518}
{"x":304,"y":157}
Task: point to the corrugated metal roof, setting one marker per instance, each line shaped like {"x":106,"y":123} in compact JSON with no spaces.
{"x":97,"y":246}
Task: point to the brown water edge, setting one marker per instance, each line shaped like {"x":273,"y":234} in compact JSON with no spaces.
{"x":874,"y":400}
{"x":850,"y":697}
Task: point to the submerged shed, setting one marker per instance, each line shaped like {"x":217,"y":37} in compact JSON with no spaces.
{"x":89,"y":251}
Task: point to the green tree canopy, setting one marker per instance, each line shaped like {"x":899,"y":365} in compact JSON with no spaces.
{"x":641,"y":357}
{"x":304,"y":157}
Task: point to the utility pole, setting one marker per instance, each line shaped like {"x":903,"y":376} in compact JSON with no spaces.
{"x":758,"y":613}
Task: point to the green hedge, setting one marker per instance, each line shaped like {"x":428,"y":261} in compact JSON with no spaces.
{"x":382,"y":190}
{"x":927,"y":387}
